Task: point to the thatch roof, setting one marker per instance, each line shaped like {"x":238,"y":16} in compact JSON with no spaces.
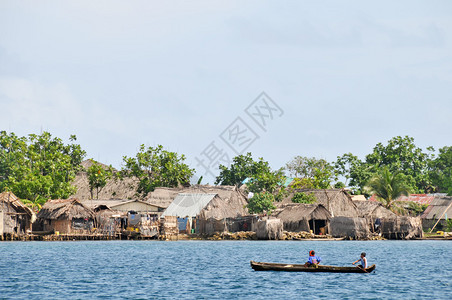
{"x":232,"y":206}
{"x":293,"y":212}
{"x":337,"y":201}
{"x":163,"y":196}
{"x":89,"y":162}
{"x":358,"y":198}
{"x":417,"y":198}
{"x":8,"y":199}
{"x":65,"y":209}
{"x":95,"y":204}
{"x":216,"y":202}
{"x":439,"y":208}
{"x":373,"y":209}
{"x":114,"y":189}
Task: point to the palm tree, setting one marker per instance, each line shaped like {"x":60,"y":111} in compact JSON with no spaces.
{"x":388,"y":187}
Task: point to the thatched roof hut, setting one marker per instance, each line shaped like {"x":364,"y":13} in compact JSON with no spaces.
{"x":205,"y":206}
{"x":337,"y":201}
{"x":401,"y":228}
{"x":355,"y":228}
{"x":64,"y":209}
{"x":15,"y":217}
{"x":439,"y":208}
{"x":303,"y":217}
{"x":65,"y":216}
{"x":372,"y":209}
{"x":163,"y":196}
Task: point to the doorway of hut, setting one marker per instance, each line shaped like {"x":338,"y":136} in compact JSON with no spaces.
{"x":318,"y":226}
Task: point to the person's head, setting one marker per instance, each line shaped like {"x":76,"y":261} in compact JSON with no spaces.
{"x":363,"y":254}
{"x":311,"y":253}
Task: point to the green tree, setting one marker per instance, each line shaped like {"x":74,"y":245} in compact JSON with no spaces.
{"x":306,"y":167}
{"x":345,"y":165}
{"x":98,"y":176}
{"x":441,"y":171}
{"x":312,"y":172}
{"x":259,"y":174}
{"x":156,"y":167}
{"x":388,"y":187}
{"x":301,"y":197}
{"x":38,"y":167}
{"x":400,"y":154}
{"x":242,"y":167}
{"x":261,"y":202}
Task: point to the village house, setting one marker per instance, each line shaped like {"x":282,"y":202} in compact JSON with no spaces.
{"x":205,"y":209}
{"x":438,"y":212}
{"x":112,"y":216}
{"x":337,"y":201}
{"x":15,"y":218}
{"x":67,"y":216}
{"x":344,"y":220}
{"x":298,"y":217}
{"x":374,"y":213}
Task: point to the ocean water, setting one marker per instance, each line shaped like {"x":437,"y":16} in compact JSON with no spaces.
{"x":220,"y":269}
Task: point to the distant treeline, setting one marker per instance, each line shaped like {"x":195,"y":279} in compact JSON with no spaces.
{"x":42,"y":167}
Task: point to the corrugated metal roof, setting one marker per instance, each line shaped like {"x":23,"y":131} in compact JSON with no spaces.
{"x":188,"y":205}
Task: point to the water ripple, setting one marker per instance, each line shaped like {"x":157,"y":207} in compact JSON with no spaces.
{"x":206,"y":269}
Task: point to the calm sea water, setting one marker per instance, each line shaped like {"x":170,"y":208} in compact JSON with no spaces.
{"x":212,"y":269}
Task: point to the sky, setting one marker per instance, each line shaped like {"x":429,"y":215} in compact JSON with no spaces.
{"x":213,"y":79}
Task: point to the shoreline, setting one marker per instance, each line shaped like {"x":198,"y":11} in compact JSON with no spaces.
{"x":239,"y":236}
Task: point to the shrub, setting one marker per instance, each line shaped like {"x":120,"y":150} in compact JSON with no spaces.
{"x":449,"y":225}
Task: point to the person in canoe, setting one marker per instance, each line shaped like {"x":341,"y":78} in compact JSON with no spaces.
{"x":313,"y":259}
{"x":362,"y":261}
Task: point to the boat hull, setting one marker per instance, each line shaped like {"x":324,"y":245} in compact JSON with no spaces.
{"x":262,"y":266}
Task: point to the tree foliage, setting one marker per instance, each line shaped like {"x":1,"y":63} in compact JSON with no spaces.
{"x":400,"y":154}
{"x":440,"y":171}
{"x":261,"y":202}
{"x":414,"y":209}
{"x":156,"y":167}
{"x":388,"y":187}
{"x":259,"y":174}
{"x":98,"y":176}
{"x":311,"y":172}
{"x":345,"y":165}
{"x":301,"y":197}
{"x":38,"y":167}
{"x":306,"y":167}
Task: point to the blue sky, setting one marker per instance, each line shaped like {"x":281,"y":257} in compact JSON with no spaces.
{"x":122,"y":73}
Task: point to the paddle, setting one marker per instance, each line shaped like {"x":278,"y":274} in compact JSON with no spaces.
{"x":360,"y":267}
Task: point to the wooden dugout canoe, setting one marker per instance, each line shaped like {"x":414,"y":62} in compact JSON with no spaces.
{"x":263,"y":266}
